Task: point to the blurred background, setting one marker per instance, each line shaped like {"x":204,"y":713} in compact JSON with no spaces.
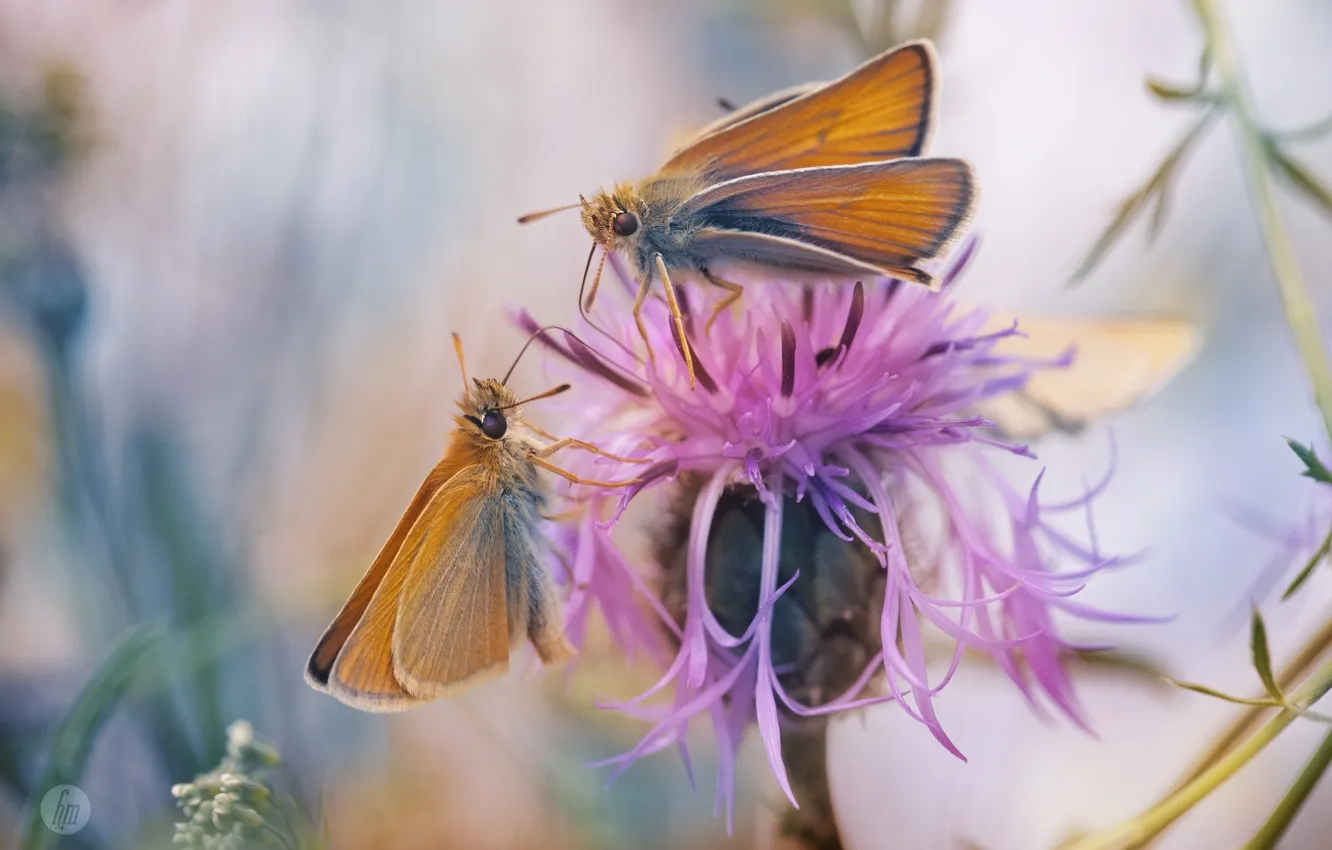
{"x":234,"y":238}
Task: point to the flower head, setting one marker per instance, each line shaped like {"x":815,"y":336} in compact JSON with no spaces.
{"x":233,"y":805}
{"x":833,"y":493}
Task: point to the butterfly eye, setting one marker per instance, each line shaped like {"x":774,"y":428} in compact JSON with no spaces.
{"x":625,"y":224}
{"x":494,"y":425}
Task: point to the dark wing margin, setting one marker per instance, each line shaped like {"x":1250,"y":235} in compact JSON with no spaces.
{"x":382,"y":688}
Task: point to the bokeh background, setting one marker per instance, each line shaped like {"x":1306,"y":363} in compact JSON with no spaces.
{"x":234,"y":249}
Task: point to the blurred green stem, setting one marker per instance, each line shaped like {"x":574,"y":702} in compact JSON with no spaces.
{"x":1290,"y":805}
{"x":1295,"y":669}
{"x":1145,"y":827}
{"x":1295,"y":300}
{"x":82,"y":493}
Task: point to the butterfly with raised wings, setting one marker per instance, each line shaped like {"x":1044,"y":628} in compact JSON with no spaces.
{"x":821,"y":180}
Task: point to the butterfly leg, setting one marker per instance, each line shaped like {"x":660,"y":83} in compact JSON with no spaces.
{"x":733,"y":292}
{"x":644,"y":287}
{"x":565,"y":442}
{"x":677,"y":318}
{"x":578,"y":479}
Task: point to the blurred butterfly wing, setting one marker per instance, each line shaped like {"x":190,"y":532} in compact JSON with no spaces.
{"x":452,"y":628}
{"x":321,"y":661}
{"x":1117,"y":363}
{"x":881,"y":110}
{"x":886,"y":215}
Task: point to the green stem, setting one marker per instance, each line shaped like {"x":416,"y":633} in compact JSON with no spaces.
{"x":1295,"y":299}
{"x":1290,"y":805}
{"x":1294,"y":670}
{"x":1145,"y":827}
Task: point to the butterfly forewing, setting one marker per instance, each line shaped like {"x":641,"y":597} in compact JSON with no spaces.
{"x":885,"y":214}
{"x":354,"y":660}
{"x":452,"y":626}
{"x":335,"y":637}
{"x":881,"y":110}
{"x":361,"y":674}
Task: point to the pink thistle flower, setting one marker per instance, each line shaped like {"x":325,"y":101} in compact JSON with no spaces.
{"x":833,"y":428}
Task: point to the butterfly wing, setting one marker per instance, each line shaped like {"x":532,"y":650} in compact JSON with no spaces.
{"x":375,"y":681}
{"x":882,"y":215}
{"x":451,"y":626}
{"x":779,"y":252}
{"x":1117,"y":363}
{"x":880,"y":110}
{"x":749,"y":110}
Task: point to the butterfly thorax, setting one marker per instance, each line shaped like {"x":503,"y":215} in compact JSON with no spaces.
{"x":492,"y":432}
{"x":640,"y":220}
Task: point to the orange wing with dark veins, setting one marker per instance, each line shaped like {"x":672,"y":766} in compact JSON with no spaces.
{"x":879,"y":111}
{"x":888,"y":215}
{"x":373,"y":686}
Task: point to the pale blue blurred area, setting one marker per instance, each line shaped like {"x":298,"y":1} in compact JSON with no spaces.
{"x":292,"y":204}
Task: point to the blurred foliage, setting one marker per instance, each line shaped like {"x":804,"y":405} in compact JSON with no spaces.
{"x":39,"y":139}
{"x":1221,"y":91}
{"x":145,"y":554}
{"x":1212,"y":102}
{"x":72,"y":742}
{"x":1313,"y":467}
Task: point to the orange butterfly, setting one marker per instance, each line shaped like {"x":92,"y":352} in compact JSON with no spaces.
{"x":459,"y":581}
{"x":823,"y":179}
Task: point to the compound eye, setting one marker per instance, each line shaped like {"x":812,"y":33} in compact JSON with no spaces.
{"x":494,"y":425}
{"x":625,"y":224}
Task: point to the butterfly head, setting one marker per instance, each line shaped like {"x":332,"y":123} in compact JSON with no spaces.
{"x":489,"y":409}
{"x":614,"y":218}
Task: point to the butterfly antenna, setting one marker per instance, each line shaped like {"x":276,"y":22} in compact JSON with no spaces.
{"x":547,"y":394}
{"x":585,"y":305}
{"x":462,"y":364}
{"x":530,"y":339}
{"x":540,"y":214}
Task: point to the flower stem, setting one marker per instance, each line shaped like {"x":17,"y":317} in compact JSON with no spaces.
{"x":1279,"y":822}
{"x":813,"y":826}
{"x":1249,"y":136}
{"x":1145,"y":827}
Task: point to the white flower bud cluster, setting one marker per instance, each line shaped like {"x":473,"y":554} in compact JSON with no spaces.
{"x":231,"y":807}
